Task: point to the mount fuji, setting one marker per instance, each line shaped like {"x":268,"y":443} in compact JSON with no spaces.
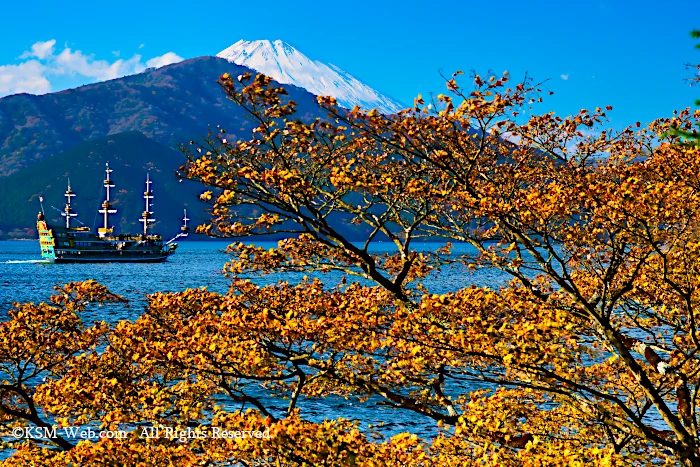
{"x":286,"y":65}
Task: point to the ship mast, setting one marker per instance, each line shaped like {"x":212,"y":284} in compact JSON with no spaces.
{"x":68,"y":210}
{"x":106,"y":205}
{"x":185,"y":219}
{"x":146,"y":215}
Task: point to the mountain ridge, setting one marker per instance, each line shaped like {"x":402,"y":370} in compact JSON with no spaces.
{"x":171,"y":105}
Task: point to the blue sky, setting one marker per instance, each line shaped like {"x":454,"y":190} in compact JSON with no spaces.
{"x":626,"y":54}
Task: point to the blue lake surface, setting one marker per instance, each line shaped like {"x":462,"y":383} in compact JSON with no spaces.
{"x":23,"y":278}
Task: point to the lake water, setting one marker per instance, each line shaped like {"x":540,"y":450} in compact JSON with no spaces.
{"x":23,"y":278}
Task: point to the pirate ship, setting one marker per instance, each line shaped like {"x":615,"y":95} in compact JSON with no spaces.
{"x":68,"y":244}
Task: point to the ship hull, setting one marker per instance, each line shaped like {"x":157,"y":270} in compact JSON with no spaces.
{"x":61,"y":245}
{"x":109,"y":259}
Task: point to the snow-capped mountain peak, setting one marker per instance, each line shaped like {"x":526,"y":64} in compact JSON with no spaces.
{"x":287,"y":65}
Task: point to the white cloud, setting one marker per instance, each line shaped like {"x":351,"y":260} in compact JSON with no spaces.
{"x":41,"y":64}
{"x":69,"y":62}
{"x":141,"y":46}
{"x":40,"y":50}
{"x":165,"y":59}
{"x":25,"y":77}
{"x":115,"y":53}
{"x":564,"y":77}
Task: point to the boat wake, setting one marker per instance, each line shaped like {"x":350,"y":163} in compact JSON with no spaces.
{"x":26,"y":261}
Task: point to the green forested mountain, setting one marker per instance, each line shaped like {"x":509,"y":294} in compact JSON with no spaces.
{"x":130,"y":155}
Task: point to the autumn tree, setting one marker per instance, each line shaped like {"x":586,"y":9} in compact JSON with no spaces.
{"x":591,"y":349}
{"x":588,"y":355}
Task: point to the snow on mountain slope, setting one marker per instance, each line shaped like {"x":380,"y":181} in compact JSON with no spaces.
{"x":287,"y":65}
